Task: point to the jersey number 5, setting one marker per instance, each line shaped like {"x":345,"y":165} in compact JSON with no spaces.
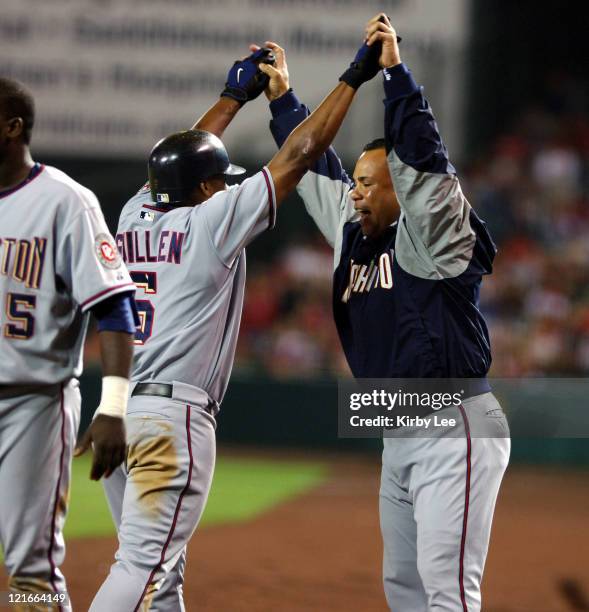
{"x":22,"y":322}
{"x":147,"y":281}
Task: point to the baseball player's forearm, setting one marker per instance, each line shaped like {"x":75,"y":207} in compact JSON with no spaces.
{"x":410,"y":128}
{"x":218,"y":117}
{"x":116,"y":356}
{"x":287,"y":113}
{"x":310,"y":140}
{"x":116,"y":353}
{"x":313,"y":136}
{"x":325,"y":188}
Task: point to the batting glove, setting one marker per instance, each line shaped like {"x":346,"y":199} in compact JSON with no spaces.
{"x":245,"y":81}
{"x":364,"y":67}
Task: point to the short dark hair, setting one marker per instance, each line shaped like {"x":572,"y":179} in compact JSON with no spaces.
{"x":16,"y":101}
{"x":377,"y":143}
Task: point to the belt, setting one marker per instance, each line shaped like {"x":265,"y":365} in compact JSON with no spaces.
{"x":165,"y":390}
{"x":160,"y":389}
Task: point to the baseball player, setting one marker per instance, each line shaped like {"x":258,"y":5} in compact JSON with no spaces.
{"x":183,"y":238}
{"x":58,"y":263}
{"x":409,"y":256}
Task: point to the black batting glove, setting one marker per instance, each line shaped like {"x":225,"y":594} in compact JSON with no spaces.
{"x":364,"y":67}
{"x":245,"y":81}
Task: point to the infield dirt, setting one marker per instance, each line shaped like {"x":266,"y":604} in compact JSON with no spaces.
{"x":322,"y":551}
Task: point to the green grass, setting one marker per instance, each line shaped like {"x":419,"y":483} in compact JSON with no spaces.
{"x":242,"y":489}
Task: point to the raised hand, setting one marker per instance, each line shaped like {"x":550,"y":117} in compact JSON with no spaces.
{"x":278,"y":84}
{"x":364,"y":67}
{"x":245,"y":81}
{"x":381,"y":34}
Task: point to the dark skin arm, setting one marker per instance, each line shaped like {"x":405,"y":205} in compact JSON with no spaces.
{"x":218,"y":117}
{"x":116,"y":353}
{"x":107,"y":433}
{"x":309,"y":140}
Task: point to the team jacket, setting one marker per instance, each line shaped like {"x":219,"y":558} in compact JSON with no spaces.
{"x":407,"y":303}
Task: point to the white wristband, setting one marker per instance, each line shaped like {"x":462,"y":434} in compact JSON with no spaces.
{"x":115,"y":394}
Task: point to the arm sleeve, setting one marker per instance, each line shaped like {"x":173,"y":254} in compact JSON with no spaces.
{"x":235,"y":217}
{"x":117,"y":313}
{"x":87,"y":259}
{"x":435,"y":237}
{"x":325,"y":188}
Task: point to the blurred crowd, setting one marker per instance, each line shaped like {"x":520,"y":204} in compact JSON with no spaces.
{"x":532,"y":189}
{"x":533,"y":192}
{"x":287,"y":328}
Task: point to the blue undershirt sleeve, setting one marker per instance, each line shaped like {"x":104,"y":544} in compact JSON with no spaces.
{"x":117,"y":313}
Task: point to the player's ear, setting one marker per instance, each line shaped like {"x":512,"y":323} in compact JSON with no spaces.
{"x":15,"y":127}
{"x":211,"y":186}
{"x":206,"y":188}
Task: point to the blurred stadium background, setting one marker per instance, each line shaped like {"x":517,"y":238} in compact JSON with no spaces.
{"x":511,"y":94}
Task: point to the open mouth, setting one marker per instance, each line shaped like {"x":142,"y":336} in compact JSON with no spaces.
{"x":363,"y":211}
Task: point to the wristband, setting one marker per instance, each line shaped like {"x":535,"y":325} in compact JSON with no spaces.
{"x":114,"y":397}
{"x":235,"y":93}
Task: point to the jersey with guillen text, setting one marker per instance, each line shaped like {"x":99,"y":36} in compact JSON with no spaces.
{"x":188,"y":264}
{"x":57,"y":261}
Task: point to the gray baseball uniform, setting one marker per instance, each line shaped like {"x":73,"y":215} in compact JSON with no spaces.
{"x":190,"y":264}
{"x":57,"y":260}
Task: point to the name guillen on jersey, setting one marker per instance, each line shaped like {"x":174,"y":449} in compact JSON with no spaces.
{"x":136,"y":246}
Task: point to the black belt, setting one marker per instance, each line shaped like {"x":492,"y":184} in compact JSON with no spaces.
{"x":160,"y":389}
{"x":163,"y":390}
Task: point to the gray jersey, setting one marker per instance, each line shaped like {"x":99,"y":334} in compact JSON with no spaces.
{"x":57,"y":260}
{"x":189,"y":267}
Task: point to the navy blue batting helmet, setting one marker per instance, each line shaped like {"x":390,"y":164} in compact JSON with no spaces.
{"x":179,"y":162}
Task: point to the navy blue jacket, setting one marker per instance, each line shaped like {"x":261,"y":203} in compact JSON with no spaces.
{"x":405,"y":304}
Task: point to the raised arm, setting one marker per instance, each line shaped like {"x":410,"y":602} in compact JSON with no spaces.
{"x":310,"y":139}
{"x":437,"y":228}
{"x":325,"y":188}
{"x":237,"y":215}
{"x":244,"y":83}
{"x":218,"y":117}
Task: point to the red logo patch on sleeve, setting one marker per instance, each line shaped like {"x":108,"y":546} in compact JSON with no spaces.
{"x":106,"y":251}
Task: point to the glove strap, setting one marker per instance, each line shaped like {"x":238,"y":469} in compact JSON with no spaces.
{"x":236,"y":94}
{"x":353,"y":76}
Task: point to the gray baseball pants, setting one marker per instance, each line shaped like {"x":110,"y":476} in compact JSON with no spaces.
{"x":38,"y":428}
{"x":157,"y":499}
{"x":437,"y":500}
